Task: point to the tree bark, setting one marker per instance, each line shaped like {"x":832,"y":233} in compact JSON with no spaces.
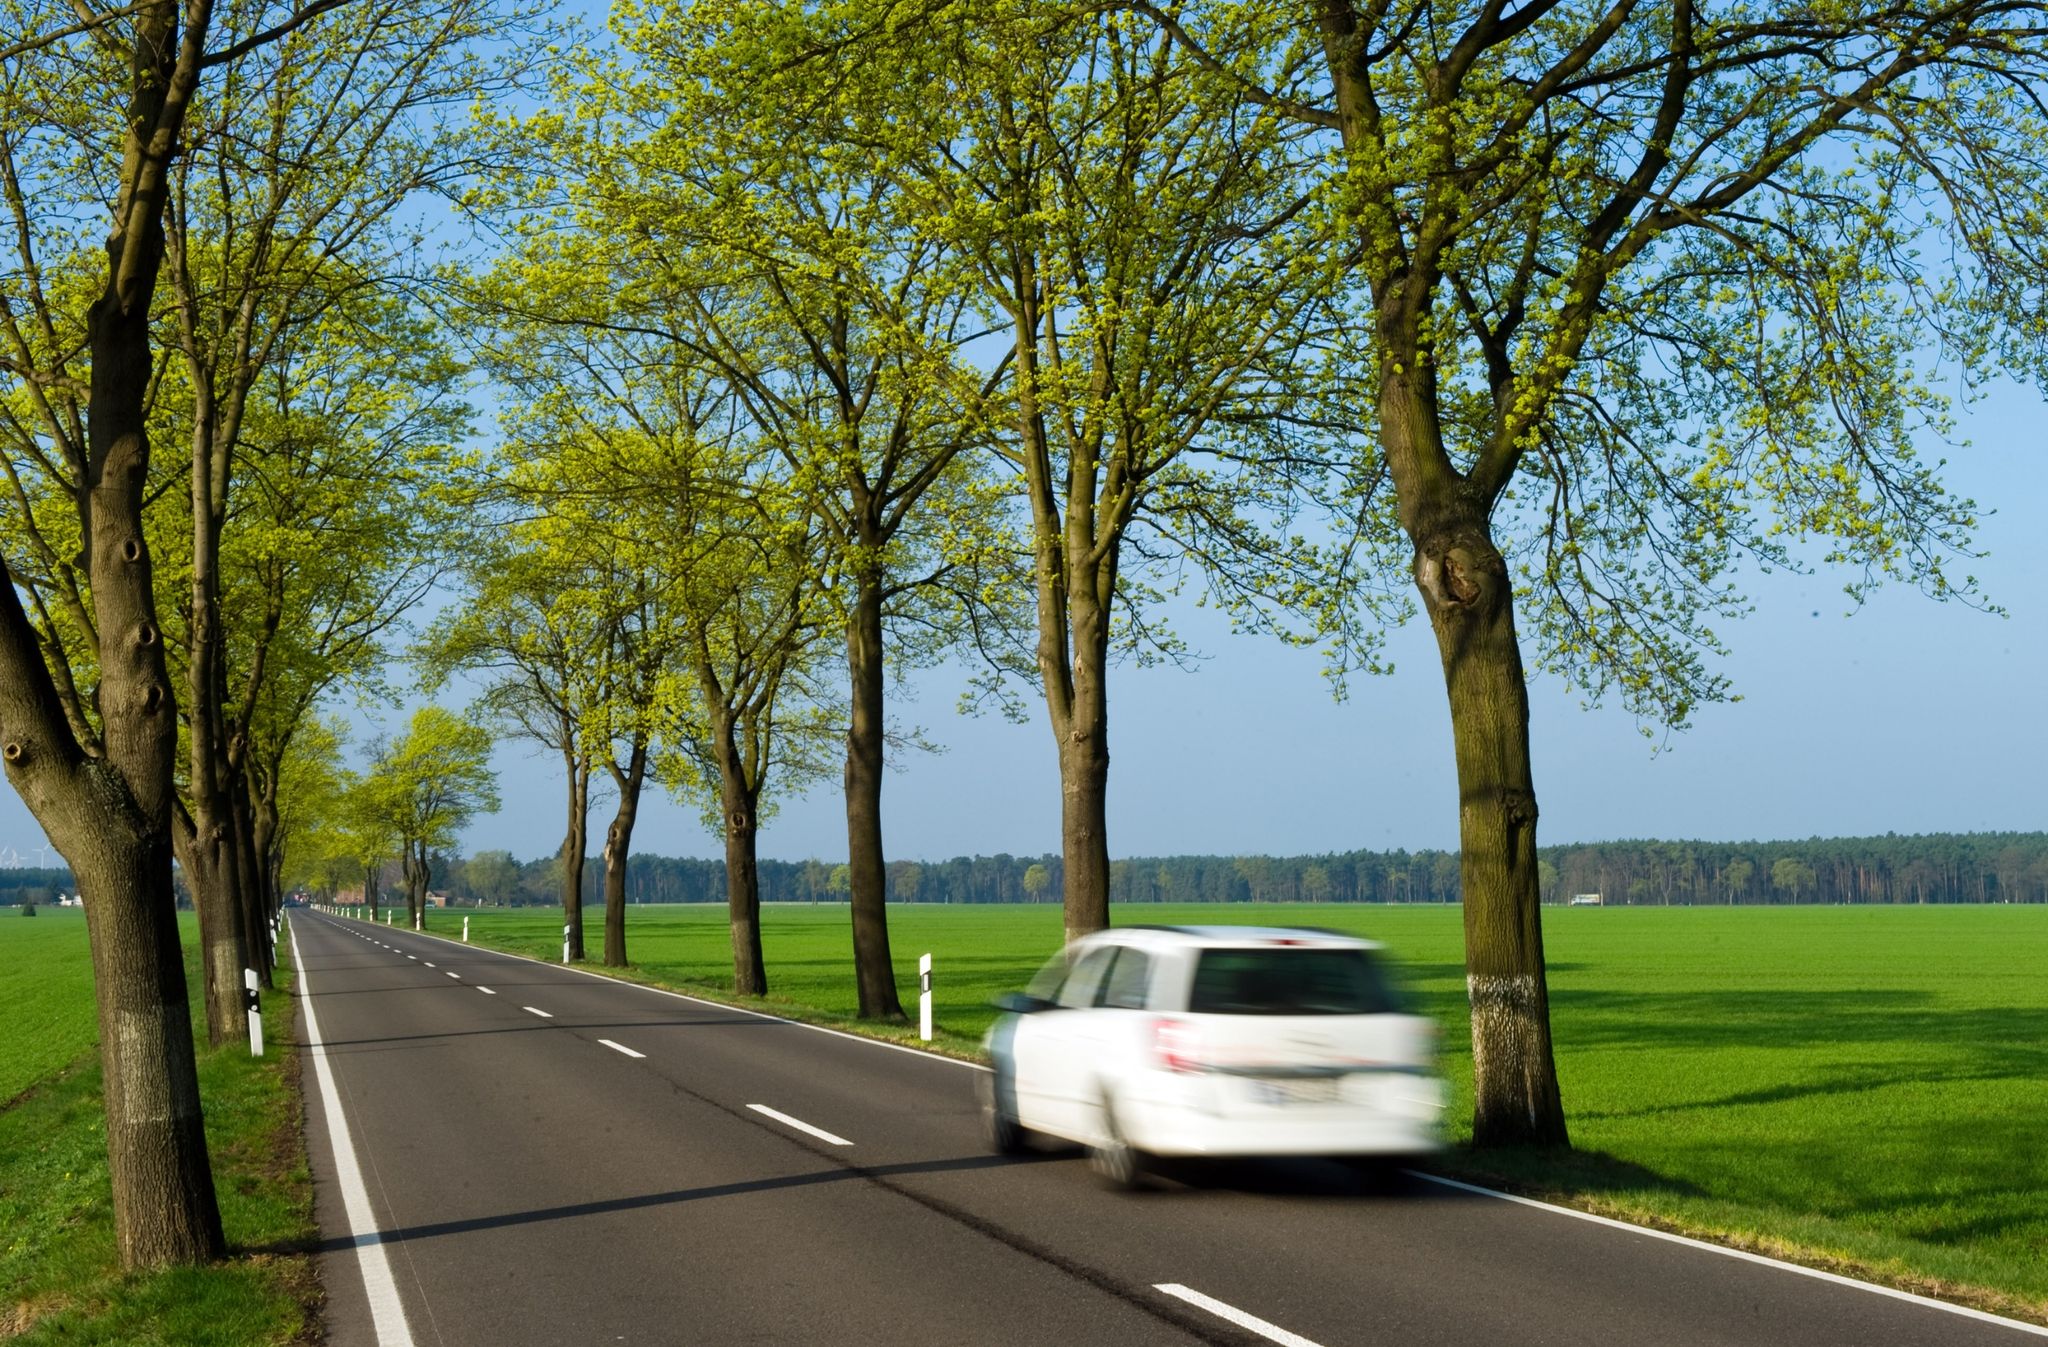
{"x":164,"y":1208}
{"x":204,"y":856}
{"x":573,"y":847}
{"x":1469,"y":596}
{"x":618,"y":848}
{"x":415,"y":868}
{"x":874,"y":969}
{"x":370,"y":894}
{"x":249,"y":882}
{"x":742,"y":879}
{"x":1081,"y":728}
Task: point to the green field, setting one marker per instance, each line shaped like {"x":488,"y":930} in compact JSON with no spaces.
{"x":58,"y":1281}
{"x":1861,"y":1087}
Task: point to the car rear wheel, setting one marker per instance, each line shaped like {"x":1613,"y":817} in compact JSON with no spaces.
{"x":1120,"y":1165}
{"x":999,"y":1127}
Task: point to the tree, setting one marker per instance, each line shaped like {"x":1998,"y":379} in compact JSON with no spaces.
{"x":492,"y":877}
{"x":522,"y":625}
{"x":842,"y":330}
{"x":99,"y":778}
{"x":1037,"y":879}
{"x":1793,"y":875}
{"x":1644,"y":298}
{"x":425,"y":786}
{"x":1129,"y":232}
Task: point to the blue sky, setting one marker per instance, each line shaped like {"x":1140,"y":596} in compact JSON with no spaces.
{"x":1908,"y":716}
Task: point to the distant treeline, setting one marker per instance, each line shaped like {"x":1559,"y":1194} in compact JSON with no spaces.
{"x":1929,"y":868}
{"x":33,"y":886}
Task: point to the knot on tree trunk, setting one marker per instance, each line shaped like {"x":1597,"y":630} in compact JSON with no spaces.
{"x":1518,"y":805}
{"x":1455,"y":575}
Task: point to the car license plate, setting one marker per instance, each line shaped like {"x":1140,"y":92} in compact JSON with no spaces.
{"x":1290,"y":1090}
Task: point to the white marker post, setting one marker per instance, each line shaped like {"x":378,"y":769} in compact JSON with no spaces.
{"x":565,"y":944}
{"x":465,"y":930}
{"x":255,"y":1005}
{"x":924,"y":997}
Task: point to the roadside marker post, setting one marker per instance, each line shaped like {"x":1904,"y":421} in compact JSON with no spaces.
{"x":255,"y":1007}
{"x":924,"y":997}
{"x":565,"y":944}
{"x":465,"y":930}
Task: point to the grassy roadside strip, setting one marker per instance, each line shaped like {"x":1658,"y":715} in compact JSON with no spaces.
{"x":59,"y":1282}
{"x":1586,"y":1180}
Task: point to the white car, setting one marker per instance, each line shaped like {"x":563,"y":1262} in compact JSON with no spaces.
{"x":1213,"y":1041}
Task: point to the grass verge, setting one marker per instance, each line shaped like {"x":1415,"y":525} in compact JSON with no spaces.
{"x":59,"y":1282}
{"x":1856,"y":1089}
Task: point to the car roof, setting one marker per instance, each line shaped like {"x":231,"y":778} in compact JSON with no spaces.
{"x":1236,"y":935}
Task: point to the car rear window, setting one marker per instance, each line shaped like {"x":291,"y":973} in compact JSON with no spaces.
{"x":1283,"y":980}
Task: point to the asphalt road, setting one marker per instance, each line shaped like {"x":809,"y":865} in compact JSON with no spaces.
{"x":551,"y":1158}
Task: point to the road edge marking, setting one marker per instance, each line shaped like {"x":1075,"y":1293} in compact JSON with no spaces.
{"x":1251,"y":1323}
{"x":800,"y":1125}
{"x":1745,"y":1255}
{"x":387,"y":1311}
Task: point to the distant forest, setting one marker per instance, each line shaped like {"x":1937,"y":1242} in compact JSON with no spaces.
{"x":1928,"y":868}
{"x":1932,"y":868}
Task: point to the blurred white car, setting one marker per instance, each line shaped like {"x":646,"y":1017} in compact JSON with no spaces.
{"x":1213,"y":1041}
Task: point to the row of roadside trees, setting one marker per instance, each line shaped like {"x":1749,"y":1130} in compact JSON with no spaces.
{"x":835,"y":336}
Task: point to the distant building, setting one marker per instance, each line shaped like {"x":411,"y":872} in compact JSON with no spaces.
{"x":1585,"y":900}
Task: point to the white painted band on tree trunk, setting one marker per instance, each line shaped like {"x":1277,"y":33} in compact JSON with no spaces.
{"x":1232,"y":1314}
{"x":387,"y":1313}
{"x":1501,"y":1005}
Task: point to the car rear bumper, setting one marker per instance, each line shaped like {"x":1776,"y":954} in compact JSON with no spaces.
{"x":1206,"y":1117}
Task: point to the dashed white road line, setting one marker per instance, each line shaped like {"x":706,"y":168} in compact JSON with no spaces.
{"x":800,"y":1125}
{"x":456,"y":976}
{"x":536,"y":1010}
{"x":387,"y":1313}
{"x":485,"y":990}
{"x":620,"y":1047}
{"x":1249,"y":1322}
{"x":415,"y":958}
{"x":432,"y":965}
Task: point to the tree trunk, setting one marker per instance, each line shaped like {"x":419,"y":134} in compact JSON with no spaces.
{"x":573,"y":847}
{"x":164,"y":1208}
{"x":1469,"y":595}
{"x":874,"y":970}
{"x":1083,"y":735}
{"x":618,"y":849}
{"x":249,"y":883}
{"x":416,"y":883}
{"x":222,"y":937}
{"x":743,"y":892}
{"x":370,"y":894}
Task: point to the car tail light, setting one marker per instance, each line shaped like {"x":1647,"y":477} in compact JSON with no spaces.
{"x":1176,"y":1044}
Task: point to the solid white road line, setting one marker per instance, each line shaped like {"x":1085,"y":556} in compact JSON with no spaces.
{"x":800,"y":1125}
{"x":1743,"y":1254}
{"x":1250,"y":1322}
{"x":620,"y":1047}
{"x":387,"y":1313}
{"x":486,"y":991}
{"x":536,"y":1010}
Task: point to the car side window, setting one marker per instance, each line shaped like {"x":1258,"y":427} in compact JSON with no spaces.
{"x":1079,"y":989}
{"x":1124,"y":988}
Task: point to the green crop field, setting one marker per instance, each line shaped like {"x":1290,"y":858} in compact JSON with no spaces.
{"x":1865,"y":1087}
{"x":58,"y":1280}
